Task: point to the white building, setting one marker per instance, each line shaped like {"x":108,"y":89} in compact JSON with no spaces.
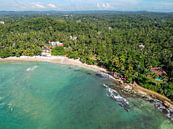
{"x":2,"y":22}
{"x":110,"y":28}
{"x":73,"y":38}
{"x":141,"y":46}
{"x":57,"y":43}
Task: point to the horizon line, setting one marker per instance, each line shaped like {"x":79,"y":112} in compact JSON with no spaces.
{"x":150,"y":11}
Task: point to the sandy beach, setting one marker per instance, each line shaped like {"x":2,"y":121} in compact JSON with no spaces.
{"x":54,"y":59}
{"x":65,"y":60}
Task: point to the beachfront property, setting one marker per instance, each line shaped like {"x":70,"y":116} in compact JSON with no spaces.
{"x":158,"y":71}
{"x":159,"y":75}
{"x":46,"y":52}
{"x":56,"y":44}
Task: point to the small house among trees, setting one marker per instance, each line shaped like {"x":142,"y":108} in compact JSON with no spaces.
{"x":73,"y":38}
{"x":56,"y":44}
{"x":2,"y":22}
{"x":141,"y":46}
{"x":158,"y":71}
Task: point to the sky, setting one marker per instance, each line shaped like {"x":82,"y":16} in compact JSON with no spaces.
{"x":77,"y":5}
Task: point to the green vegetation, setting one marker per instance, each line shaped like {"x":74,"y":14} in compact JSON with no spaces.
{"x":130,"y":43}
{"x":58,"y":51}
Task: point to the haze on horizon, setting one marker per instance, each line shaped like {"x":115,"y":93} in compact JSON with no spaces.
{"x":78,"y":5}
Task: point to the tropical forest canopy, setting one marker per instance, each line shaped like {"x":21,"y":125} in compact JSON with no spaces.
{"x":126,"y":43}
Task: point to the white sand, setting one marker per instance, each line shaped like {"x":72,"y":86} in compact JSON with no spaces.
{"x":54,"y":59}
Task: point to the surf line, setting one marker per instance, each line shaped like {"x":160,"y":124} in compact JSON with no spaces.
{"x":117,"y":97}
{"x":31,"y":68}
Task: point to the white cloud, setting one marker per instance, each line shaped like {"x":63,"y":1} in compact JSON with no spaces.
{"x":98,"y":5}
{"x":118,"y":5}
{"x":51,"y":5}
{"x":126,"y":3}
{"x":165,"y":4}
{"x":38,"y":6}
{"x":108,"y":5}
{"x":103,"y":5}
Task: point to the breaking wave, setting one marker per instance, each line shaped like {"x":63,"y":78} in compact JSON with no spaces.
{"x":31,"y":68}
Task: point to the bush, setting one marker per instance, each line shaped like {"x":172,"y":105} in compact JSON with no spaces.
{"x":73,"y":55}
{"x":58,"y":51}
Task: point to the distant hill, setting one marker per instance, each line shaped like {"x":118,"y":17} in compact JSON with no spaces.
{"x":28,"y":13}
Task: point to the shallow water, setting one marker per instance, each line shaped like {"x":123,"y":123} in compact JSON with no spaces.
{"x":52,"y":96}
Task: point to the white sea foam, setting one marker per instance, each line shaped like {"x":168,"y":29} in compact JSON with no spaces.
{"x":31,"y":68}
{"x":117,"y":97}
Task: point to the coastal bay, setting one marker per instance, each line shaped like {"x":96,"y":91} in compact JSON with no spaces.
{"x":61,"y":61}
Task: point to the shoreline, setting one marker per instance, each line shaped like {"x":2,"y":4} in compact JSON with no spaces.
{"x":54,"y":59}
{"x":133,"y":88}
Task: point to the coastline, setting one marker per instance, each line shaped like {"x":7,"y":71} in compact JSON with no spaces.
{"x":133,"y":88}
{"x":54,"y":59}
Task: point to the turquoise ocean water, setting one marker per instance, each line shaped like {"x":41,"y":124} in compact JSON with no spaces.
{"x":51,"y":96}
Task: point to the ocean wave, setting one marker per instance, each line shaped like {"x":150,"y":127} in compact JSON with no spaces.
{"x":31,"y":68}
{"x":117,"y":97}
{"x":10,"y":106}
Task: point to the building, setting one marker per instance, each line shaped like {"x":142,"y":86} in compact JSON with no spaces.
{"x":2,"y":22}
{"x":55,"y":44}
{"x":158,"y":71}
{"x":73,"y":38}
{"x":141,"y":46}
{"x":110,"y":28}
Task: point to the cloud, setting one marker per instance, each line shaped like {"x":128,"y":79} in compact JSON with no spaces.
{"x":165,"y":4}
{"x":103,"y":5}
{"x":117,"y":5}
{"x":51,"y":5}
{"x":126,"y":3}
{"x":98,"y":5}
{"x":38,"y":6}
